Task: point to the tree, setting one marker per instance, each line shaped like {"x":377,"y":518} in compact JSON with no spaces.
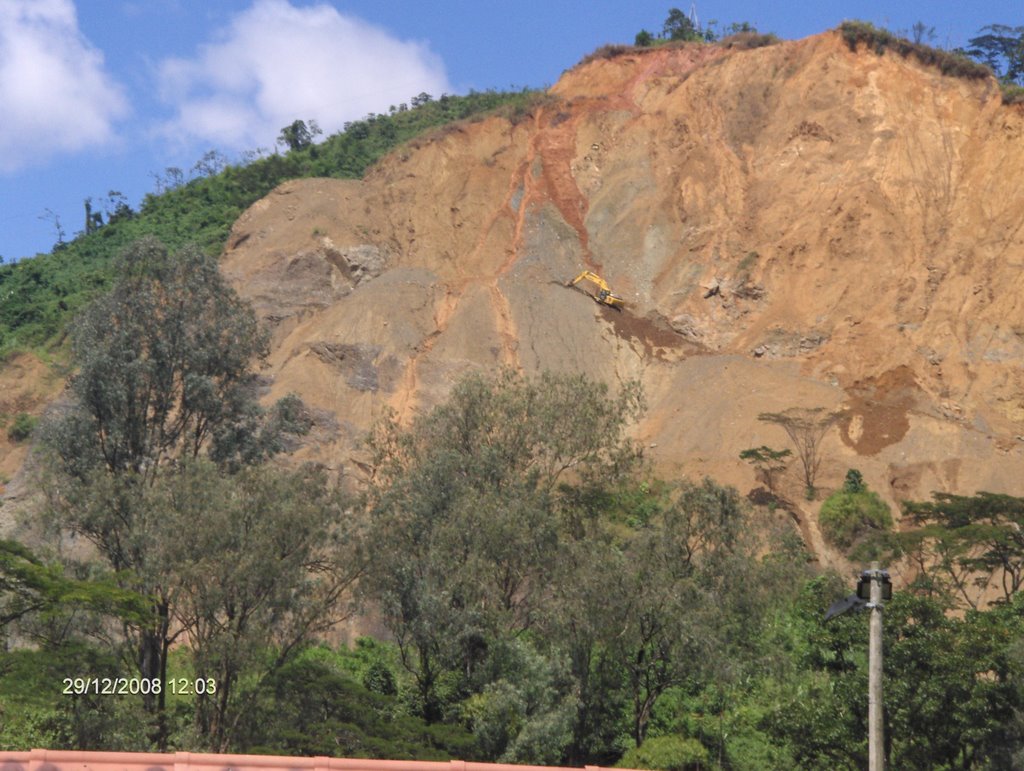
{"x":952,"y":684}
{"x":679,"y":26}
{"x":805,"y":428}
{"x":117,"y":208}
{"x":163,"y":374}
{"x":28,"y":585}
{"x":768,"y":463}
{"x":298,"y":134}
{"x":268,"y":564}
{"x":468,"y":509}
{"x":740,"y":28}
{"x":947,"y":680}
{"x":644,"y":39}
{"x":673,"y":572}
{"x":164,"y":371}
{"x":525,"y":714}
{"x":314,"y":706}
{"x":674,"y":604}
{"x":921,"y":31}
{"x":211,"y":164}
{"x":964,"y":545}
{"x":668,"y":753}
{"x":49,"y":215}
{"x":854,"y":482}
{"x":1002,"y":49}
{"x":93,"y":219}
{"x":36,"y":705}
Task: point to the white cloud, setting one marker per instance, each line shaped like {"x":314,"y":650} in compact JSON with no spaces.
{"x":55,"y":95}
{"x":277,"y":62}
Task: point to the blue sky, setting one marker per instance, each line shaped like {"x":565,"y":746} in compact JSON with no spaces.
{"x":102,"y":95}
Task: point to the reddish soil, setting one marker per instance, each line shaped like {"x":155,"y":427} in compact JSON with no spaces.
{"x":877,"y":410}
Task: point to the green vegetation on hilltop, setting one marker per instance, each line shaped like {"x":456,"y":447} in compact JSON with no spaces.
{"x":38,"y":295}
{"x":678,"y":27}
{"x":879,"y":40}
{"x":999,"y":51}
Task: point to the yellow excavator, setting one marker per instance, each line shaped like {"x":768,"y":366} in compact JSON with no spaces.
{"x":604,"y":295}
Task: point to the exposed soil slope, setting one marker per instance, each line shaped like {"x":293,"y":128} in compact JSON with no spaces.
{"x":27,"y":385}
{"x":791,"y":225}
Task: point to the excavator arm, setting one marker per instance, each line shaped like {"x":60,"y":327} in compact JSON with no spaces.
{"x":604,"y":295}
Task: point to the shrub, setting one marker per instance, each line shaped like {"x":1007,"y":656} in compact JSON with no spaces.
{"x":846,"y":515}
{"x":879,"y":40}
{"x":611,"y":51}
{"x":1013,"y":94}
{"x":854,"y":482}
{"x":518,"y":110}
{"x":667,"y":753}
{"x":767,"y":462}
{"x":379,"y":679}
{"x":743,"y":41}
{"x":22,"y":427}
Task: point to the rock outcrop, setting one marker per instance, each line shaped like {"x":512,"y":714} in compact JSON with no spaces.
{"x":794,"y":225}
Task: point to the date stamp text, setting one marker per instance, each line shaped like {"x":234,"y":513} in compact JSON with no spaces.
{"x":133,"y":686}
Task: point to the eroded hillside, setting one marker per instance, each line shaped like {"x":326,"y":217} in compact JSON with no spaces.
{"x":796,"y":225}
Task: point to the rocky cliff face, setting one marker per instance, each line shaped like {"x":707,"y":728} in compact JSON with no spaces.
{"x":796,"y":225}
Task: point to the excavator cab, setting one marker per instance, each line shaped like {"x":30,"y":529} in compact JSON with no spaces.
{"x":604,"y":295}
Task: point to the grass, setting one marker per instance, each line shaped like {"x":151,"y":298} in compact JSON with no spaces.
{"x":857,"y":33}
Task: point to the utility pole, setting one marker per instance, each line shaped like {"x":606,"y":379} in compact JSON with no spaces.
{"x":874,"y":589}
{"x":876,"y":739}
